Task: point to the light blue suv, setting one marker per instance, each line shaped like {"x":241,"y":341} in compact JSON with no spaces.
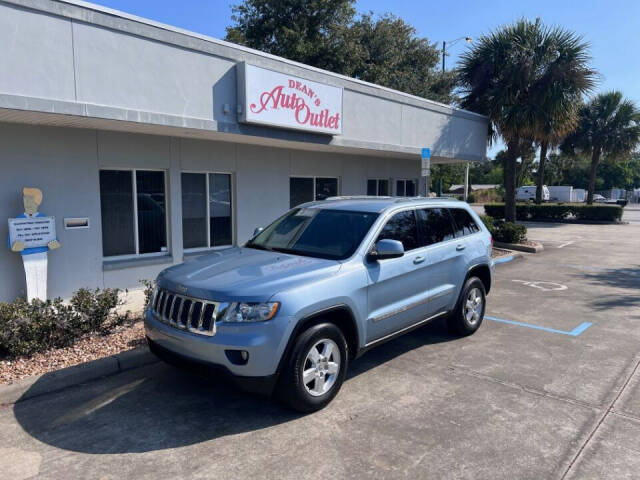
{"x":320,"y":286}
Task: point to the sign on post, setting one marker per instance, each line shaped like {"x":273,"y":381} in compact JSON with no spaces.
{"x":279,"y":100}
{"x":32,"y":231}
{"x":425,"y":156}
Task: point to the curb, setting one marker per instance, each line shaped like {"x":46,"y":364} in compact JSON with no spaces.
{"x":50,"y":382}
{"x":521,"y":248}
{"x":507,"y":258}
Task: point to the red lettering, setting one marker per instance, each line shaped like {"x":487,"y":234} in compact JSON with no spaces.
{"x":277,"y":99}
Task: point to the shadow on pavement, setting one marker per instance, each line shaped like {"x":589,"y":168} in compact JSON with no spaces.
{"x":623,"y":278}
{"x":159,"y":407}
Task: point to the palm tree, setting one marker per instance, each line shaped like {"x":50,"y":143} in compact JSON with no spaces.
{"x":609,"y":126}
{"x":524,"y":76}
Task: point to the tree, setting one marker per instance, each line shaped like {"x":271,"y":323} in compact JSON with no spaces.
{"x":327,"y":34}
{"x":505,"y":76}
{"x":387,"y":51}
{"x":609,"y":126}
{"x":307,"y":31}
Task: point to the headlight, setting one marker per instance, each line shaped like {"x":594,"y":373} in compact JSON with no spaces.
{"x":250,"y":312}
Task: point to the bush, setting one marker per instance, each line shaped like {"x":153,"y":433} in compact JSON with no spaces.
{"x":26,"y":328}
{"x":489,"y":222}
{"x":509,"y":232}
{"x":558,"y":211}
{"x":471,"y":198}
{"x":149,"y":286}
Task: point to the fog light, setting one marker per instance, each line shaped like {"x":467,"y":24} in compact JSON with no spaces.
{"x":237,"y":357}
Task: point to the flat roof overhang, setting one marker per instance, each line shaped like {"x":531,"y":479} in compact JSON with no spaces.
{"x":57,"y":113}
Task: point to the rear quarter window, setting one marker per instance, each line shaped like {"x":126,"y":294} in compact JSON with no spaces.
{"x":464,"y":222}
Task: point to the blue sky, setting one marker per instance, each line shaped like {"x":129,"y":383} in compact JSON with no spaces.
{"x":611,"y":27}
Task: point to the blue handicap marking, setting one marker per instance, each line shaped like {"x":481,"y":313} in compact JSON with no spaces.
{"x":573,"y":333}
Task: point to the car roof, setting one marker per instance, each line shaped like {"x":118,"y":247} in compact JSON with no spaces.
{"x":378,"y":204}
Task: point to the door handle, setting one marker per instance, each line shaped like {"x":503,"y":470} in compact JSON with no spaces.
{"x":459,"y":248}
{"x":419,"y":259}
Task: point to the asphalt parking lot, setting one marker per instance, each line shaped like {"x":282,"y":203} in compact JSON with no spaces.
{"x":549,"y":387}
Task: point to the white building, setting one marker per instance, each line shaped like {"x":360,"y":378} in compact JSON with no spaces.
{"x":145,"y":133}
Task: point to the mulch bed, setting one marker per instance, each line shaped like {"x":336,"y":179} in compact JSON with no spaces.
{"x":88,"y":348}
{"x":499,"y":252}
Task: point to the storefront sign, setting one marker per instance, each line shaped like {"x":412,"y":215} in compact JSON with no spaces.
{"x":32,"y":231}
{"x":279,"y":100}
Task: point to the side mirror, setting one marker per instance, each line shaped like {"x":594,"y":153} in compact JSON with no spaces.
{"x":387,"y":248}
{"x":257,"y":231}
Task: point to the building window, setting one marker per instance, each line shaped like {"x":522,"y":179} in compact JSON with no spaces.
{"x":134,"y":212}
{"x":406,"y":188}
{"x":308,"y":189}
{"x":206,"y":210}
{"x":378,"y":187}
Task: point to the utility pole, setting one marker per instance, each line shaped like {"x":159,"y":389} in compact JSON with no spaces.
{"x":452,"y":42}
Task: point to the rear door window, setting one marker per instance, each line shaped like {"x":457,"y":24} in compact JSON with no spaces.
{"x":464,"y":223}
{"x":402,"y":227}
{"x":435,"y":225}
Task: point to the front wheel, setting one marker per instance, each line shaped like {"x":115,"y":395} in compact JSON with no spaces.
{"x":316,"y":368}
{"x":469,"y":313}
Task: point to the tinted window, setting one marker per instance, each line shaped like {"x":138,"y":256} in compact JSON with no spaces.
{"x":383,"y":188}
{"x":436,"y":225}
{"x":372,"y":187}
{"x":116,"y":199}
{"x":300,"y":190}
{"x":402,"y":226}
{"x":194,"y":210}
{"x":465,"y":225}
{"x":326,"y":187}
{"x":220,"y":209}
{"x":152,"y":227}
{"x":333,"y":234}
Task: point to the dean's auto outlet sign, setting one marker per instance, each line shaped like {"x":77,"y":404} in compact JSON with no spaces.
{"x":280,"y":100}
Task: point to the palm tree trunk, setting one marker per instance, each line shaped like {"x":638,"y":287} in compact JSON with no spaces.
{"x":540,"y":180}
{"x":595,"y":159}
{"x":510,"y":182}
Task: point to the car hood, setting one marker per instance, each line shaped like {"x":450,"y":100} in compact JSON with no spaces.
{"x":244,"y":274}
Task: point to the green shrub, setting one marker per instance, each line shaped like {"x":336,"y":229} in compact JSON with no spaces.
{"x":558,"y":211}
{"x":509,"y":232}
{"x":26,"y":328}
{"x":610,"y":213}
{"x":149,"y":286}
{"x":489,"y":222}
{"x":471,"y":198}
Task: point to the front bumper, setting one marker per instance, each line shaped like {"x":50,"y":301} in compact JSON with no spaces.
{"x":264,"y":342}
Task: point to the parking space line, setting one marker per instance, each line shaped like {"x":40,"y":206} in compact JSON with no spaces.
{"x":573,"y":333}
{"x":508,"y":258}
{"x":566,"y":244}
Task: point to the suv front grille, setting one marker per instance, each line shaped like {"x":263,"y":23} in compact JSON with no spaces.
{"x":185,"y":313}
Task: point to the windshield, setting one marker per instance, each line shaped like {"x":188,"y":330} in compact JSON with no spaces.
{"x":314,"y":232}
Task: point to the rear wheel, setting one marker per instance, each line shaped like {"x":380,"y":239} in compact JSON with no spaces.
{"x":469,"y":313}
{"x":315,"y":369}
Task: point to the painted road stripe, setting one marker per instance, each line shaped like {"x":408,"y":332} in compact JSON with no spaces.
{"x":573,"y":333}
{"x":506,"y":259}
{"x":566,"y":244}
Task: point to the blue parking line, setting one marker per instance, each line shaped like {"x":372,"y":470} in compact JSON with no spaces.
{"x":573,"y":333}
{"x":506,"y":259}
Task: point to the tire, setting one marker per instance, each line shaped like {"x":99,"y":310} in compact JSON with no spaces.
{"x":467,"y":318}
{"x":325,"y":374}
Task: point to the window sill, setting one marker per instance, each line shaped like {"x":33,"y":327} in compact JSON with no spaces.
{"x":108,"y":265}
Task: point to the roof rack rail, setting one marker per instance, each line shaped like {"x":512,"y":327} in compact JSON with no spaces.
{"x":357,"y":197}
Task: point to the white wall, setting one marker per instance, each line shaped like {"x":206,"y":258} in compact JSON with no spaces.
{"x":65,"y":162}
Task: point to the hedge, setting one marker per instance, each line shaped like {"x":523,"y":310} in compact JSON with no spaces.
{"x":29,"y":327}
{"x":558,"y":211}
